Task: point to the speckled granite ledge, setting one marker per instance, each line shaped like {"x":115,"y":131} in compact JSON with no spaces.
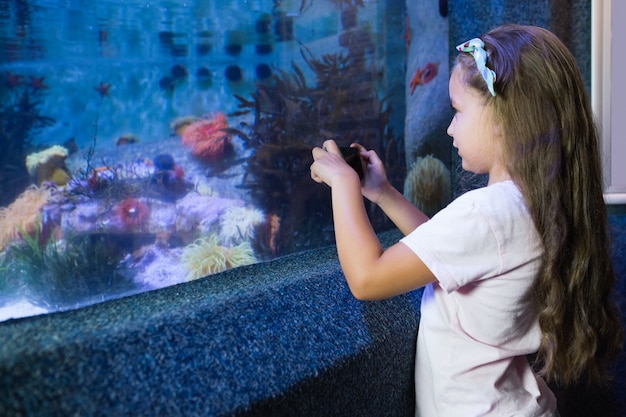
{"x":279,"y":338}
{"x":283,"y":338}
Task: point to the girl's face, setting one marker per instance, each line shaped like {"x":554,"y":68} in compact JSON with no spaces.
{"x":473,"y":131}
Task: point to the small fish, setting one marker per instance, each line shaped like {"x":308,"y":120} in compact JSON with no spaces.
{"x":424,"y":75}
{"x":103,"y":89}
{"x":126,"y":140}
{"x":408,"y":34}
{"x":239,"y":113}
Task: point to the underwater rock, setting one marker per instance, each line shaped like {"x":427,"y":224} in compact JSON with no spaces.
{"x":168,"y":179}
{"x":122,"y":217}
{"x":202,"y":212}
{"x":160,"y":268}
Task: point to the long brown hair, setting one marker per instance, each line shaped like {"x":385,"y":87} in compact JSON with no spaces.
{"x":551,"y":149}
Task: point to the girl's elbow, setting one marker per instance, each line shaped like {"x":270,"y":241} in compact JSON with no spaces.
{"x":361,"y":290}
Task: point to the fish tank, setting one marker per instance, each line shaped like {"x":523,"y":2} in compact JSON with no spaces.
{"x":149,"y":143}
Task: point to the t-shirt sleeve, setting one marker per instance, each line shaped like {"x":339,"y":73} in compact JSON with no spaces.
{"x":458,"y":245}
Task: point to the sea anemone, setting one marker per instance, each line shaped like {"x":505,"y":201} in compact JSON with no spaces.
{"x":23,"y":214}
{"x":133,"y":213}
{"x":238,"y":223}
{"x":427,"y":184}
{"x":206,"y":256}
{"x":206,"y":137}
{"x":49,"y":165}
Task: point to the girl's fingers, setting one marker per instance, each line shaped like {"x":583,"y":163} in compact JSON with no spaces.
{"x":331,"y":146}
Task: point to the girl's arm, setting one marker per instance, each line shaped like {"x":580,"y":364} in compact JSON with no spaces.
{"x":377,"y":188}
{"x":371,"y":272}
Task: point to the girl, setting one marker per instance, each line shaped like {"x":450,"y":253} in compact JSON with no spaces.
{"x":518,"y":267}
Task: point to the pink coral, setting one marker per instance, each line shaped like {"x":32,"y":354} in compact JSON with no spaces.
{"x":207,"y":137}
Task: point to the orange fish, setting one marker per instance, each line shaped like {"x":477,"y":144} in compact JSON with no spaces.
{"x":424,"y":75}
{"x":408,"y":35}
{"x":126,"y":140}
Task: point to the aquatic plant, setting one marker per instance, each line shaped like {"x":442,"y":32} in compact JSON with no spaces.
{"x":427,"y":185}
{"x":238,"y":223}
{"x":20,"y":118}
{"x":22,"y":216}
{"x":206,"y":256}
{"x":208,"y":137}
{"x":69,"y":273}
{"x":290,"y":117}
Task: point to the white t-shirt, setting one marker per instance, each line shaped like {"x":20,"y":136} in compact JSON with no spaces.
{"x":476,"y":328}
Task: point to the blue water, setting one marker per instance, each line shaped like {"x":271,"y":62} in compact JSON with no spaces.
{"x":131,"y":205}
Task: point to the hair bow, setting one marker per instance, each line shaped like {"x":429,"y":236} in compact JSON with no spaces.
{"x":476,"y":48}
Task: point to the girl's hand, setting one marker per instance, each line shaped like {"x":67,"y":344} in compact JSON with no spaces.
{"x":375,"y":182}
{"x":329,"y":165}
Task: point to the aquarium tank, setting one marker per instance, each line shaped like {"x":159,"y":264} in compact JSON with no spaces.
{"x":144,"y":144}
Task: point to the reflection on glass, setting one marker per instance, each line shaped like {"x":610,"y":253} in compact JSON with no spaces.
{"x":146,"y":144}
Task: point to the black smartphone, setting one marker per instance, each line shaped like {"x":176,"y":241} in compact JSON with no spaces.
{"x":352,"y":157}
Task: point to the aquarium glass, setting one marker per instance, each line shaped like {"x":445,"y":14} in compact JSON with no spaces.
{"x":149,"y":143}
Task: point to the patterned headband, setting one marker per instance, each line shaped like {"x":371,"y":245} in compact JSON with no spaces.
{"x":476,"y":48}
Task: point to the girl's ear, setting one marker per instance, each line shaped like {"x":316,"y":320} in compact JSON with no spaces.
{"x":496,"y":130}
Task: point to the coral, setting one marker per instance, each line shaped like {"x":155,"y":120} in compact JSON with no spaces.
{"x":206,"y":256}
{"x":23,"y":214}
{"x":238,"y":223}
{"x":133,"y":213}
{"x":427,"y":184}
{"x":208,"y":137}
{"x":49,"y":165}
